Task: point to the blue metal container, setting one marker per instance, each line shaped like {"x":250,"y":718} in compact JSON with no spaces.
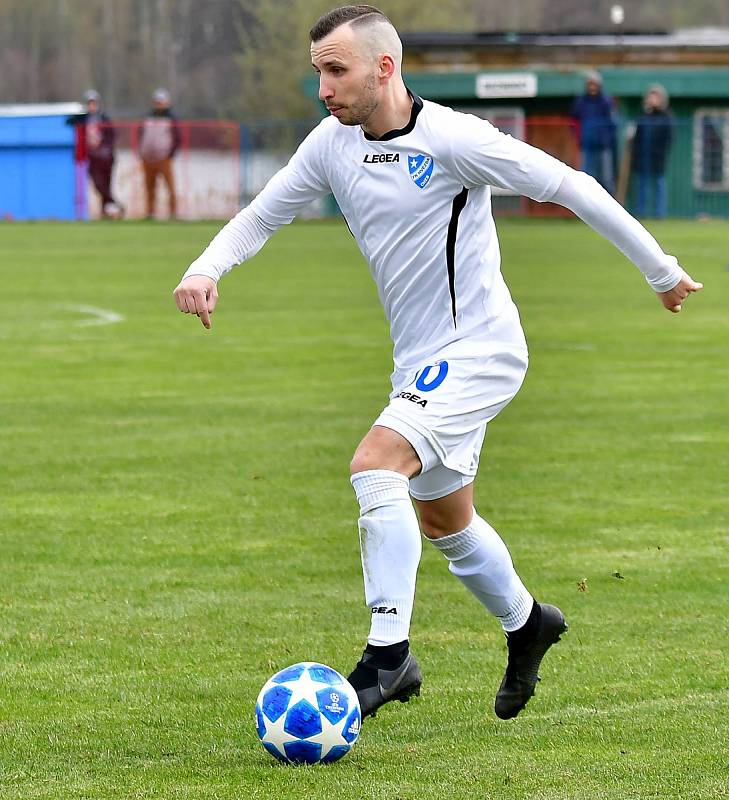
{"x":37,"y":169}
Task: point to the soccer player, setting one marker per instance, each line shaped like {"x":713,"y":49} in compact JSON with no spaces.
{"x":413,"y":179}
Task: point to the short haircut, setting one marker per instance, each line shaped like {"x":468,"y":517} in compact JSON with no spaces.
{"x":357,"y":15}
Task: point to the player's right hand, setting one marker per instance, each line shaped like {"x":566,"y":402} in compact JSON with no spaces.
{"x":198,"y":295}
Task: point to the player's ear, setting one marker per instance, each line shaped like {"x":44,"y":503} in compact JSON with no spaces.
{"x":386,"y":66}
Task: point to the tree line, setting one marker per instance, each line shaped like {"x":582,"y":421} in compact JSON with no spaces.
{"x":244,"y":59}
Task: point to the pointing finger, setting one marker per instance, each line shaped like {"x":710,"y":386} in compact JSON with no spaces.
{"x":202,"y":309}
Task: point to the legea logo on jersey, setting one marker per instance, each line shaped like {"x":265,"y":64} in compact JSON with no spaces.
{"x":421,"y":169}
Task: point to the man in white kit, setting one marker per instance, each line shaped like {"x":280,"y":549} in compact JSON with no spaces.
{"x":412,"y":179}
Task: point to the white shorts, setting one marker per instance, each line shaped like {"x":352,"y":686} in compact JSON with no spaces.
{"x":443,"y":410}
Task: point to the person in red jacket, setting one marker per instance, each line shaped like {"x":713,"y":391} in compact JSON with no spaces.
{"x":95,"y":144}
{"x":158,"y":143}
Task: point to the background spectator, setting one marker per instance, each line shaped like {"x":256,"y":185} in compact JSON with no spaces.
{"x":653,"y":135}
{"x":593,"y":111}
{"x":95,"y":144}
{"x":159,"y":141}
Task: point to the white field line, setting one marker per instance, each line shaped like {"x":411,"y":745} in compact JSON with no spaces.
{"x":698,"y":698}
{"x":99,"y":316}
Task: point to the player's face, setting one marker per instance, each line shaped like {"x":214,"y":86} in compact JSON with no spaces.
{"x":348,"y":76}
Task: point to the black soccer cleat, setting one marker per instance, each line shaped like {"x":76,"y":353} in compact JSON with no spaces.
{"x":376,"y":685}
{"x":521,"y":676}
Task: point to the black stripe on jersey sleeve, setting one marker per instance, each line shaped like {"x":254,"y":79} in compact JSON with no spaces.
{"x":459,"y":201}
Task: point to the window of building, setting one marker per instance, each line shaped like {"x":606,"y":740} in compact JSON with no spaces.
{"x":711,"y":149}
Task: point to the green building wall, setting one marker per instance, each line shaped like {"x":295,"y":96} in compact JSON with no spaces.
{"x":690,"y":88}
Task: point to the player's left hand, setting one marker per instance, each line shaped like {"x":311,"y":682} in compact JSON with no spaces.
{"x":673,"y":298}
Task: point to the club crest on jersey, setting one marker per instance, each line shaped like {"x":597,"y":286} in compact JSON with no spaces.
{"x":420,"y":168}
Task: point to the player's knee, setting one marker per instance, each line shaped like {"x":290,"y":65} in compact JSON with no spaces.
{"x":435,"y":527}
{"x":364,"y":460}
{"x":385,"y":449}
{"x":368,"y":458}
{"x":439,"y":521}
{"x":371,"y":454}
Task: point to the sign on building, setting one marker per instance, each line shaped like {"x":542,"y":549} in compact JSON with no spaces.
{"x":506,"y":84}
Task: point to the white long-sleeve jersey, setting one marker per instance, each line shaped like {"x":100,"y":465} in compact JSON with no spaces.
{"x":418,"y":203}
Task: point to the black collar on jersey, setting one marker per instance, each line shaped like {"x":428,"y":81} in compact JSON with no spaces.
{"x":414,"y":111}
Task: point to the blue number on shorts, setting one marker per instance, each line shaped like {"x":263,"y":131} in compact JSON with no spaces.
{"x":420,"y":383}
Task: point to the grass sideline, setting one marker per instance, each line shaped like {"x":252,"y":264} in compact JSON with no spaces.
{"x":176,"y":523}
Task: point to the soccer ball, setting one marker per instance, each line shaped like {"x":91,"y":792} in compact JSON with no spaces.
{"x":308,"y":714}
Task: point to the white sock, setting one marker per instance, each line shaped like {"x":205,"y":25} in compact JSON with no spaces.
{"x":391,"y":546}
{"x":479,"y":559}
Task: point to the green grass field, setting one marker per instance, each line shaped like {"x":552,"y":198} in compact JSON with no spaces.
{"x":176,"y":523}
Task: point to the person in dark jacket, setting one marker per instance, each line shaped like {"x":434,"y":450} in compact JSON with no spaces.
{"x":159,"y":140}
{"x":95,"y":144}
{"x":651,"y":144}
{"x":593,"y":113}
